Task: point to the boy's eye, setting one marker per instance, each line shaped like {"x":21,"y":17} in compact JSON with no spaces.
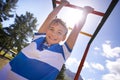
{"x":59,"y":33}
{"x":51,"y":29}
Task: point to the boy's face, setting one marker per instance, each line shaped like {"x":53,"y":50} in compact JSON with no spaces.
{"x":55,"y":33}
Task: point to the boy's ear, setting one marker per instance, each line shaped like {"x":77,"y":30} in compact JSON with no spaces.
{"x":64,"y":37}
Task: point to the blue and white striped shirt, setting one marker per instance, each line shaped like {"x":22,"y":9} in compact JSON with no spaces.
{"x":38,"y":61}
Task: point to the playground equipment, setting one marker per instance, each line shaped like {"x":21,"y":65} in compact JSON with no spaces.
{"x":104,"y":18}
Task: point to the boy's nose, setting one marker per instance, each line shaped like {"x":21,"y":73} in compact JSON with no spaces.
{"x":54,"y":33}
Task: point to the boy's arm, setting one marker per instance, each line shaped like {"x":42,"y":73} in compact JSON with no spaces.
{"x":77,"y":28}
{"x":51,"y":16}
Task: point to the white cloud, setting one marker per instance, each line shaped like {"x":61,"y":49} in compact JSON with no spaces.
{"x":90,"y":79}
{"x":72,"y":61}
{"x":97,"y":66}
{"x":86,"y":65}
{"x":96,"y":48}
{"x":114,"y":66}
{"x":108,"y":41}
{"x":110,"y":52}
{"x":72,"y":64}
{"x":114,"y":70}
{"x":111,"y":77}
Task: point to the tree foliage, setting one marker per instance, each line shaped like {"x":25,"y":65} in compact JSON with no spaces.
{"x":22,"y":30}
{"x":6,"y":9}
{"x":61,"y":75}
{"x":17,"y":35}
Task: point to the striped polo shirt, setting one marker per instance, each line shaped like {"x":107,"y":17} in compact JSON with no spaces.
{"x":38,"y":61}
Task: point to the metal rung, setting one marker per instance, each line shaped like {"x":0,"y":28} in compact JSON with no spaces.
{"x":77,"y":7}
{"x":84,"y":33}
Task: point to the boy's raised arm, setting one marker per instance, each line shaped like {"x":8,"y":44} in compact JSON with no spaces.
{"x":51,"y":16}
{"x":77,"y":28}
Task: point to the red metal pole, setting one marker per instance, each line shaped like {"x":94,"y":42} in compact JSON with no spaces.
{"x":82,"y":63}
{"x":77,"y":7}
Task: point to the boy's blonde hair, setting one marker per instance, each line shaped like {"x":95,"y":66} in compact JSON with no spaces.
{"x":57,"y":20}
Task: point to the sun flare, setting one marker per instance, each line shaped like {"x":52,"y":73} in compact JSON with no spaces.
{"x":72,"y":17}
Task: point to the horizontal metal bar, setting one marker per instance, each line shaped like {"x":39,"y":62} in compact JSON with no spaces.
{"x":77,"y":7}
{"x":84,"y":33}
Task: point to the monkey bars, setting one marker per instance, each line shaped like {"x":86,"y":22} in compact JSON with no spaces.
{"x":104,"y":18}
{"x":77,"y":7}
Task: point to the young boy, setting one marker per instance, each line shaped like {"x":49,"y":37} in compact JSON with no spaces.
{"x":44,"y":57}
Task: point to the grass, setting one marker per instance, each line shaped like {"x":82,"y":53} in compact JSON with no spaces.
{"x":3,"y":62}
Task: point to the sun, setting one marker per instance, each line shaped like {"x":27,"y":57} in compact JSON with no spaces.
{"x":72,"y":16}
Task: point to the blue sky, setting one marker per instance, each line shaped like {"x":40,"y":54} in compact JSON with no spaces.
{"x":103,"y":60}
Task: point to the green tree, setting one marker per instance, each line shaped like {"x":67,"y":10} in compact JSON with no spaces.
{"x":61,"y":75}
{"x":3,"y":37}
{"x":20,"y":32}
{"x":23,"y":29}
{"x":6,"y":9}
{"x":0,"y":26}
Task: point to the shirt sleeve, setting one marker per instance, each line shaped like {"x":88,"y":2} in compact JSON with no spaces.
{"x":67,"y":50}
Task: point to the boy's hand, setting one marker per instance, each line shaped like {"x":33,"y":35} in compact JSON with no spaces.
{"x":65,"y":2}
{"x":88,"y":9}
